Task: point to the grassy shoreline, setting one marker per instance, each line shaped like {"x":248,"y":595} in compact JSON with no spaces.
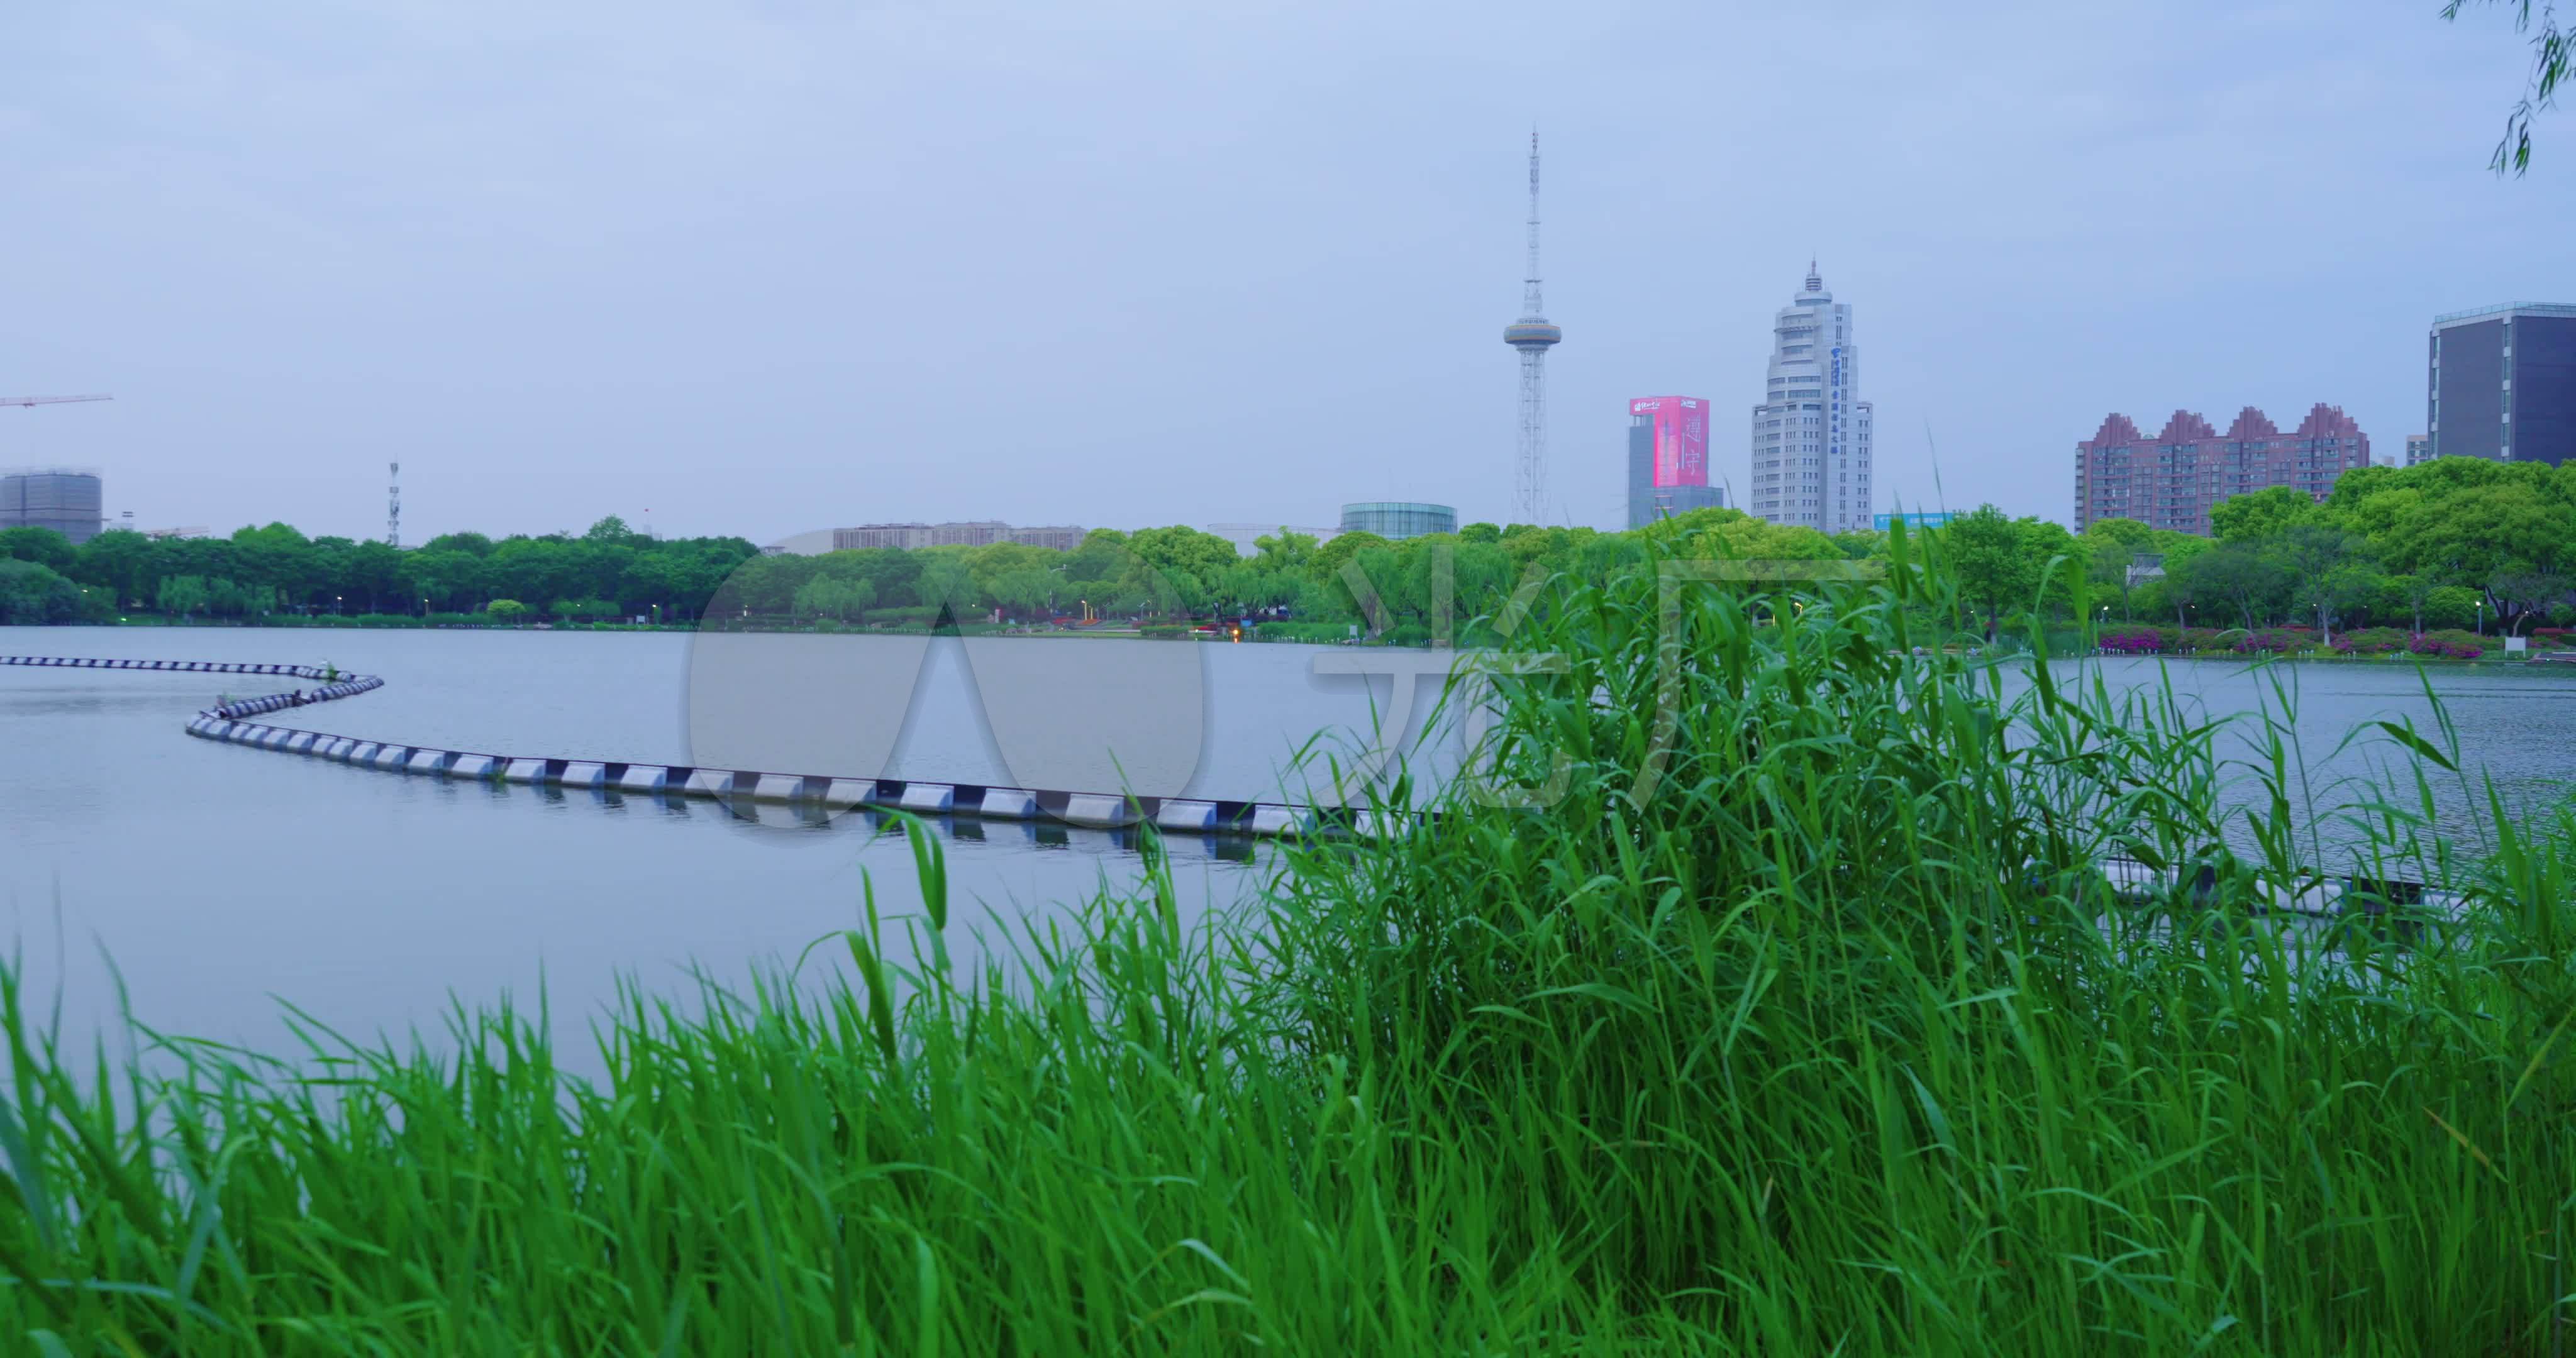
{"x":1796,"y":1023}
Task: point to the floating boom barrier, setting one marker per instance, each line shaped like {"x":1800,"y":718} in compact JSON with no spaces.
{"x":231,"y":723}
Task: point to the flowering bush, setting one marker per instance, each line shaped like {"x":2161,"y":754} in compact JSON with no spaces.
{"x":2450,"y":644}
{"x":2190,"y":641}
{"x":2133,"y":640}
{"x":2273,"y":641}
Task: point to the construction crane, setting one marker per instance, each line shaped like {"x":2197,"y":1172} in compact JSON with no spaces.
{"x":50,"y":400}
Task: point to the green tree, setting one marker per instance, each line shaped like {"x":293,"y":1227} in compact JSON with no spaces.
{"x":1286,"y":551}
{"x":1030,"y":591}
{"x":1990,"y":556}
{"x":613,"y":532}
{"x":2324,"y":570}
{"x":2128,"y":532}
{"x":2464,"y":524}
{"x":946,"y":581}
{"x":990,"y":566}
{"x":508,"y":611}
{"x":182,"y":595}
{"x":43,"y":546}
{"x":827,"y":596}
{"x":33,"y":594}
{"x":2261,"y":514}
{"x":373,"y":577}
{"x":2239,"y":573}
{"x":2451,"y":606}
{"x":118,"y":559}
{"x":2414,"y":591}
{"x":1188,"y":562}
{"x":2525,"y":594}
{"x":452,"y":581}
{"x":1327,"y":561}
{"x":472,"y":544}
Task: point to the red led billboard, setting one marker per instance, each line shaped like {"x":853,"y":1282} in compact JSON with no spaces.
{"x":1681,"y":438}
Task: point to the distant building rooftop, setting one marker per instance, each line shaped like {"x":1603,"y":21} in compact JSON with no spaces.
{"x":2502,"y":308}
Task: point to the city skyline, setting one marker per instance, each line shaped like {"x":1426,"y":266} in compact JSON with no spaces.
{"x":482,"y":265}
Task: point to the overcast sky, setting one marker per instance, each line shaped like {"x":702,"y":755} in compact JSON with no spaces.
{"x":767,"y":268}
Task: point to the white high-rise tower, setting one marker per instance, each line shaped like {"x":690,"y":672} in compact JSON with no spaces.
{"x":1811,"y":433}
{"x":1533,"y":336}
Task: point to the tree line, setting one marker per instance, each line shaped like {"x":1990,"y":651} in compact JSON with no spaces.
{"x":608,"y":571}
{"x":2454,"y":543}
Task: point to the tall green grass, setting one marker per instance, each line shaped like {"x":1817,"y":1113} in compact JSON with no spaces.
{"x":1831,"y":1040}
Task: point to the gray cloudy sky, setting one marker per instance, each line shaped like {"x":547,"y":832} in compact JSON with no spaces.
{"x":771,"y":267}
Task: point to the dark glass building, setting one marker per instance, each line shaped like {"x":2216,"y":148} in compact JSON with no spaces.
{"x":2502,"y":383}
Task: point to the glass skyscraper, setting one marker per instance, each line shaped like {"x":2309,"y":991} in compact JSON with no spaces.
{"x":2503,"y":384}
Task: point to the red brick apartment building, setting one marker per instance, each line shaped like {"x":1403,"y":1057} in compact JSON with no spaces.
{"x":2172,"y":479}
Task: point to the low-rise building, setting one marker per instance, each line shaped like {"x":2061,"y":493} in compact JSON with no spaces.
{"x":1396,"y":520}
{"x":972,"y":533}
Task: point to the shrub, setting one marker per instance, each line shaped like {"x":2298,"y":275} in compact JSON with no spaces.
{"x":2371,"y":641}
{"x":911,"y":615}
{"x":2134,"y":640}
{"x":2448,"y":644}
{"x":2273,"y":641}
{"x":1321,"y":632}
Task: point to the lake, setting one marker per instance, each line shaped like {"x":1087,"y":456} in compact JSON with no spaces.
{"x":221,"y":879}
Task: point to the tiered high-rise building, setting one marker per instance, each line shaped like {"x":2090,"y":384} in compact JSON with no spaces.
{"x":1811,"y":433}
{"x":2171,"y":480}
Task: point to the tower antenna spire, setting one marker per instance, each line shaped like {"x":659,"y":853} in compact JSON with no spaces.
{"x":1530,"y":303}
{"x":1533,"y":336}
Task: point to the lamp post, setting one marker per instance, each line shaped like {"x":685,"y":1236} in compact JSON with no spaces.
{"x":2482,"y":617}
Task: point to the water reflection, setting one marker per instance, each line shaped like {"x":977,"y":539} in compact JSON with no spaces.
{"x":806,"y":817}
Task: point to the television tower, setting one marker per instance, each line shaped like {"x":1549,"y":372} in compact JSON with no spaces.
{"x":393,"y":505}
{"x":1533,"y":336}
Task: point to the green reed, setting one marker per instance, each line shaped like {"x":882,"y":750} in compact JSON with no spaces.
{"x":1829,"y":1038}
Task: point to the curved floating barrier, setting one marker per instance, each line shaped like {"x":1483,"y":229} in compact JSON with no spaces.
{"x":232,"y":723}
{"x":824,"y":794}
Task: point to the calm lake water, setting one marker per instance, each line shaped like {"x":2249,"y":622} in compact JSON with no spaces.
{"x":220,"y":880}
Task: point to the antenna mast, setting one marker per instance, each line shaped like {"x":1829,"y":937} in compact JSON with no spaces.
{"x":1533,"y":336}
{"x":393,"y":505}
